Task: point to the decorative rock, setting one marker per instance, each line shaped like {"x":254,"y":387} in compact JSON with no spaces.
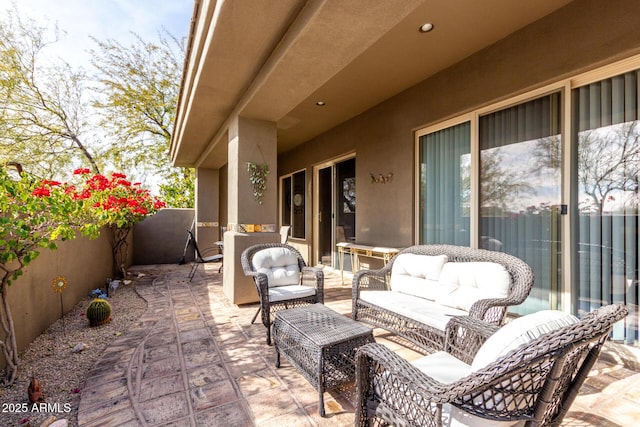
{"x":34,"y":391}
{"x":79,"y":347}
{"x":48,"y":422}
{"x":113,"y":286}
{"x":60,"y":423}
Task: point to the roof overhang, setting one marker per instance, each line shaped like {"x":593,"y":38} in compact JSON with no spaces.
{"x":276,"y":63}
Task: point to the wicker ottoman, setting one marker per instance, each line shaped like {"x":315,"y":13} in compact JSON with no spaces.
{"x":321,"y":344}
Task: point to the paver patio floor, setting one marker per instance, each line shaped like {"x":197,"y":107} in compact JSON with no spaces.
{"x":195,"y":359}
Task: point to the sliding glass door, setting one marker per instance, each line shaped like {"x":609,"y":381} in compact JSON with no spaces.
{"x":520,"y":192}
{"x":445,"y":186}
{"x":336,"y":214}
{"x":494,"y":180}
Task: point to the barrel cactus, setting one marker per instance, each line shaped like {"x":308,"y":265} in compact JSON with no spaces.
{"x":98,"y":312}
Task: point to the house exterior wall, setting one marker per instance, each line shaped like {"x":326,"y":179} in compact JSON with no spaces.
{"x":577,"y":38}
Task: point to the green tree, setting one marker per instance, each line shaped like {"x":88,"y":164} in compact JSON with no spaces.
{"x":43,"y":106}
{"x":178,"y":188}
{"x":140,"y":84}
{"x":54,"y":118}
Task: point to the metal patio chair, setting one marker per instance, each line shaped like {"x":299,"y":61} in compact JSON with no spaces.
{"x":207,"y":255}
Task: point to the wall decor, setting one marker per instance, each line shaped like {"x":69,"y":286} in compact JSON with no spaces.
{"x":381,"y":178}
{"x":258,"y":178}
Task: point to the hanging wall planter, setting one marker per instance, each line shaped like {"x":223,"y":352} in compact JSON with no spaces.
{"x":258,"y":178}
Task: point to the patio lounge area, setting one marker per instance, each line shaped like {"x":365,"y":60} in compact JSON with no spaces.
{"x":195,"y":359}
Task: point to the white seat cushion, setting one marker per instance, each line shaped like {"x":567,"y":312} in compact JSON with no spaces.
{"x":518,"y":332}
{"x":419,"y":309}
{"x":455,"y":417}
{"x":279,"y":264}
{"x":473,"y":281}
{"x":282,"y":293}
{"x":443,"y":367}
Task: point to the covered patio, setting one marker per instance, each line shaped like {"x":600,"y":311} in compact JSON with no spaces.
{"x":194,"y":358}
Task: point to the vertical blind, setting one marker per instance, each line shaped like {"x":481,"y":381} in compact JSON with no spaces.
{"x":607,"y":140}
{"x":445,"y":189}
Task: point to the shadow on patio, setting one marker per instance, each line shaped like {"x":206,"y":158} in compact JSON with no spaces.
{"x":195,"y":359}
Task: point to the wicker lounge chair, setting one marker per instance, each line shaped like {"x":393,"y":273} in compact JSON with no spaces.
{"x":379,"y":309}
{"x":282,"y":279}
{"x":528,"y":384}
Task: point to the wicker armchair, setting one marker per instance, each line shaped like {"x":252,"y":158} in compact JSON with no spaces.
{"x":534,"y":384}
{"x":282,"y":279}
{"x":426,"y":337}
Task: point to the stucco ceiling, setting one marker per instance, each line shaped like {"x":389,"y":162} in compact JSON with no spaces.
{"x":274,"y":63}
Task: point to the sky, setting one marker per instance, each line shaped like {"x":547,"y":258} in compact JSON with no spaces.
{"x":103,"y":19}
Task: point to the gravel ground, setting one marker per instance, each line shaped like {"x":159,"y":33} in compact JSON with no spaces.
{"x":60,"y":371}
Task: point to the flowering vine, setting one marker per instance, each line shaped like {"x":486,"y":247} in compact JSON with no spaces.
{"x":36,"y":214}
{"x":33,"y":215}
{"x":116,"y":203}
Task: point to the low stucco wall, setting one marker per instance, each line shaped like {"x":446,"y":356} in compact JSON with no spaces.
{"x":84,"y":263}
{"x":160,"y":239}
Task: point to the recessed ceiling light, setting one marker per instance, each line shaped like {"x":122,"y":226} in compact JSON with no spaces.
{"x":426,"y":27}
{"x":320,"y":103}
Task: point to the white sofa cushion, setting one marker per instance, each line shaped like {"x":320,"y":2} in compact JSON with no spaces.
{"x":287,"y":292}
{"x":419,"y":309}
{"x":418,"y":275}
{"x":518,"y":332}
{"x":473,"y":281}
{"x":279,"y":264}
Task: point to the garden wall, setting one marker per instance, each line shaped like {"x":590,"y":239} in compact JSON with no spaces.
{"x":85,"y":264}
{"x":161,"y":238}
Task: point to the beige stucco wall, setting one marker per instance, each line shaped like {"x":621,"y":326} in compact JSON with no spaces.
{"x":161,"y":238}
{"x":582,"y":36}
{"x":85,"y":263}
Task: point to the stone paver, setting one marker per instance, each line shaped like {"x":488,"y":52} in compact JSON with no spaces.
{"x":194,"y":359}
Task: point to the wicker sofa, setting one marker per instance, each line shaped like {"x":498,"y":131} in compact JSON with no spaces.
{"x":424,"y":286}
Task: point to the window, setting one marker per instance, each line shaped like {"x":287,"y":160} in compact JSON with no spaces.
{"x":293,"y":203}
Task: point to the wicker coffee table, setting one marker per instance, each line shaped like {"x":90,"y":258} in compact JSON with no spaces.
{"x":321,"y":344}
